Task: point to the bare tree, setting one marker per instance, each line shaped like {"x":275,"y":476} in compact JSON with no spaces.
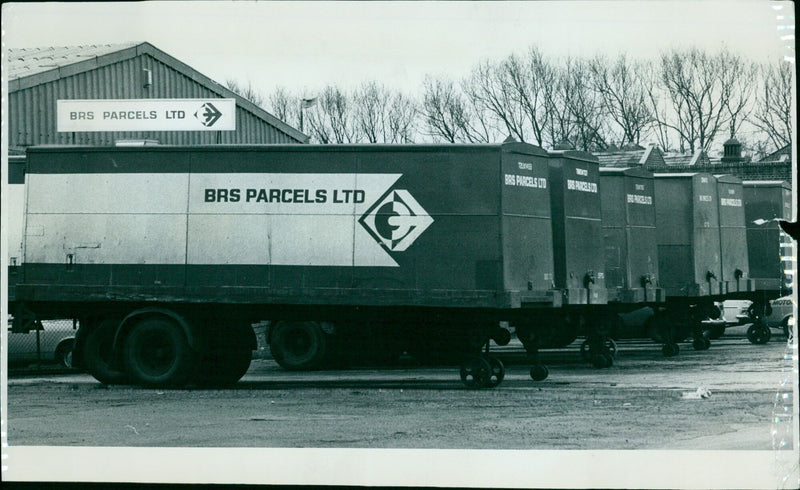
{"x":383,"y":116}
{"x":490,"y":88}
{"x":285,"y":106}
{"x":737,"y":82}
{"x":245,"y":90}
{"x":657,"y":104}
{"x":371,"y":103}
{"x":622,"y":87}
{"x":331,"y":119}
{"x":442,"y":109}
{"x":585,"y":106}
{"x":449,"y":116}
{"x":402,"y":119}
{"x":699,"y":91}
{"x":773,"y":112}
{"x":533,"y":81}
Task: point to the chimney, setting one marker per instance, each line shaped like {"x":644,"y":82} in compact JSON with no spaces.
{"x":732,"y":151}
{"x":564,"y":145}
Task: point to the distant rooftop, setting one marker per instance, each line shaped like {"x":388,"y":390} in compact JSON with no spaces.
{"x":23,"y":62}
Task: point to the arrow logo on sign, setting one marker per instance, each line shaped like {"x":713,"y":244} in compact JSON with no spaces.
{"x":208,"y":114}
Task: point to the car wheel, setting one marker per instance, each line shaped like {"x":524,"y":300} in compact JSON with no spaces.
{"x":64,"y":353}
{"x":787,"y":329}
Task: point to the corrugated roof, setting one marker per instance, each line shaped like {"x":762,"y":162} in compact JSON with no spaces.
{"x":29,"y":67}
{"x":23,"y":62}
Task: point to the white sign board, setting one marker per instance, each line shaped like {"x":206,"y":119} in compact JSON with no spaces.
{"x":146,"y":115}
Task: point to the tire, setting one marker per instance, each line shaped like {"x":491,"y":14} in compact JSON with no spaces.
{"x":476,"y":373}
{"x":716,"y":332}
{"x":157,"y":354}
{"x":786,"y":328}
{"x":670,"y":350}
{"x":299,"y":346}
{"x":64,"y":353}
{"x":498,"y":372}
{"x":539,"y":372}
{"x":758,"y":334}
{"x":98,"y":354}
{"x":224,"y":367}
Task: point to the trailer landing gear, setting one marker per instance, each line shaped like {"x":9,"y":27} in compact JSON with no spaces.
{"x":599,"y":350}
{"x":482,"y":371}
{"x":530,"y":340}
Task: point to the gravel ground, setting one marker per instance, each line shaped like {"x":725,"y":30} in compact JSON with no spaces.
{"x":643,"y":402}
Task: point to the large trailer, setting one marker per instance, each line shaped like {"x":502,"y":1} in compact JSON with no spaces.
{"x":14,"y":215}
{"x":167,"y":254}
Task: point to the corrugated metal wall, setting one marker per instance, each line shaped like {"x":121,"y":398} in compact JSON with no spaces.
{"x":32,"y":111}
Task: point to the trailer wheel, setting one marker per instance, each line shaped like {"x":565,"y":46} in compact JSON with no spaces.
{"x":758,"y":334}
{"x":498,"y":372}
{"x":299,"y":346}
{"x":539,"y":372}
{"x":98,"y":354}
{"x":224,"y":367}
{"x":476,"y":372}
{"x":670,"y":349}
{"x":157,"y":353}
{"x":601,"y":361}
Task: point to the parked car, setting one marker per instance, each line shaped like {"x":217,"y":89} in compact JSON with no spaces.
{"x":56,"y":339}
{"x":781,"y":315}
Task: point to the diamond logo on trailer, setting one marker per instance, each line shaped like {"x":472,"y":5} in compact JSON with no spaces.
{"x":208,"y":114}
{"x":396,"y":220}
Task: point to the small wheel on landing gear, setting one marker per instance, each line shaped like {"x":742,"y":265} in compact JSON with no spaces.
{"x":707,"y":344}
{"x":611,"y":347}
{"x":699,"y":343}
{"x":670,"y":350}
{"x":476,"y":373}
{"x":585,"y":351}
{"x":497,"y":374}
{"x":539,"y":372}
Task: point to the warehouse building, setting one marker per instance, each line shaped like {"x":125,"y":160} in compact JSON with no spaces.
{"x":39,"y":77}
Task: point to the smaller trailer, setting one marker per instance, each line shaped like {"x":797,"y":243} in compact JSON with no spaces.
{"x":629,"y":235}
{"x":765,"y":203}
{"x":689,"y":263}
{"x":768,"y":250}
{"x":578,"y":262}
{"x":733,"y":237}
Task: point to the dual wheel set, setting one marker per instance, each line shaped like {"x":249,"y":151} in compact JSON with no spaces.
{"x":155,"y":351}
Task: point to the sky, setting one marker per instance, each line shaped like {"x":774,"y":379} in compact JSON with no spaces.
{"x":304,"y":46}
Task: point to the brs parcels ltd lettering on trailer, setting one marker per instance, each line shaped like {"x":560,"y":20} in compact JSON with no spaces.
{"x":392,"y":217}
